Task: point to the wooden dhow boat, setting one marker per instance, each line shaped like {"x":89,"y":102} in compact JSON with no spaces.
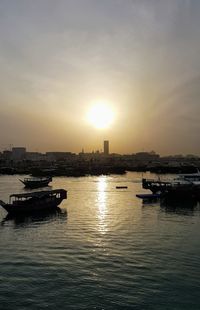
{"x":36,"y":182}
{"x":35,"y":201}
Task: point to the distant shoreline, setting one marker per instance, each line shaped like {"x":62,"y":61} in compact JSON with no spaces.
{"x":95,"y":171}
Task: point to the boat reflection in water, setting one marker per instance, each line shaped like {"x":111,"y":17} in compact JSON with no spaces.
{"x":41,"y":217}
{"x":184,"y":207}
{"x":102,"y":203}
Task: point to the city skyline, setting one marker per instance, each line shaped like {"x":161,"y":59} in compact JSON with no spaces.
{"x":104,"y":149}
{"x":76,"y":73}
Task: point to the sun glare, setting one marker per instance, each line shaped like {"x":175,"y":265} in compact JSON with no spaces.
{"x":100,"y":116}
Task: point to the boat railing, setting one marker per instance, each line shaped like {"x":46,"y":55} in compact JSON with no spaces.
{"x":58,"y":193}
{"x":37,"y":179}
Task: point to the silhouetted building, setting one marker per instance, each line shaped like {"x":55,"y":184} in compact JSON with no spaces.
{"x":146,"y":156}
{"x":35,"y":156}
{"x":106,"y":147}
{"x":18,"y":153}
{"x":54,"y":156}
{"x":6,"y":155}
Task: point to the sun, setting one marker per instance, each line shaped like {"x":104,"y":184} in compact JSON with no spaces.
{"x":100,"y":116}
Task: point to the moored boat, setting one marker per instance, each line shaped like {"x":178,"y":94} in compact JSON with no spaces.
{"x":181,"y":187}
{"x":121,"y":187}
{"x":35,"y":201}
{"x":36,"y":182}
{"x":148,"y":196}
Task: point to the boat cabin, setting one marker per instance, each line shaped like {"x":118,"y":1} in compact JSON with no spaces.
{"x":26,"y":197}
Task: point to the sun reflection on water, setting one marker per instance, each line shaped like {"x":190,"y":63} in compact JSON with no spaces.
{"x":102,"y":203}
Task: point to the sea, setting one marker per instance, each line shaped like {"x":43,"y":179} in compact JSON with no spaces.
{"x":102,"y":249}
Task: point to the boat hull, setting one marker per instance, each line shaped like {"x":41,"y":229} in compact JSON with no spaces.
{"x":34,"y":207}
{"x":148,"y":196}
{"x":182,"y":193}
{"x":36,"y":184}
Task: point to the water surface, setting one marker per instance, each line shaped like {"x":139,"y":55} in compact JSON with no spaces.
{"x":103,"y":249}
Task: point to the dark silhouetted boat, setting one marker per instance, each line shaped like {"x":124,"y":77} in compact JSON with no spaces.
{"x":34,"y":202}
{"x":36,"y":182}
{"x":148,"y":196}
{"x":182,"y":187}
{"x":121,"y":187}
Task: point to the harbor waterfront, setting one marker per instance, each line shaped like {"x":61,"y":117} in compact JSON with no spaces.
{"x":103,"y":248}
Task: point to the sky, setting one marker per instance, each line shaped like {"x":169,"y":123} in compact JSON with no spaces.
{"x":141,"y":57}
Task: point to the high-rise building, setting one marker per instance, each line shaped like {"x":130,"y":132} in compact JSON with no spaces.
{"x":106,"y":147}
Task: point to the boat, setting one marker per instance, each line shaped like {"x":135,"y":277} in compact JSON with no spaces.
{"x":34,"y":202}
{"x":148,"y":196}
{"x":121,"y":187}
{"x":182,"y":191}
{"x":36,"y":182}
{"x":181,"y":187}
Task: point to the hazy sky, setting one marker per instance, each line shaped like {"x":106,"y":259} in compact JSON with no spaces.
{"x":141,"y":57}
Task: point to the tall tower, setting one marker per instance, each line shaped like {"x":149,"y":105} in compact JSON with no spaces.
{"x":106,"y":147}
